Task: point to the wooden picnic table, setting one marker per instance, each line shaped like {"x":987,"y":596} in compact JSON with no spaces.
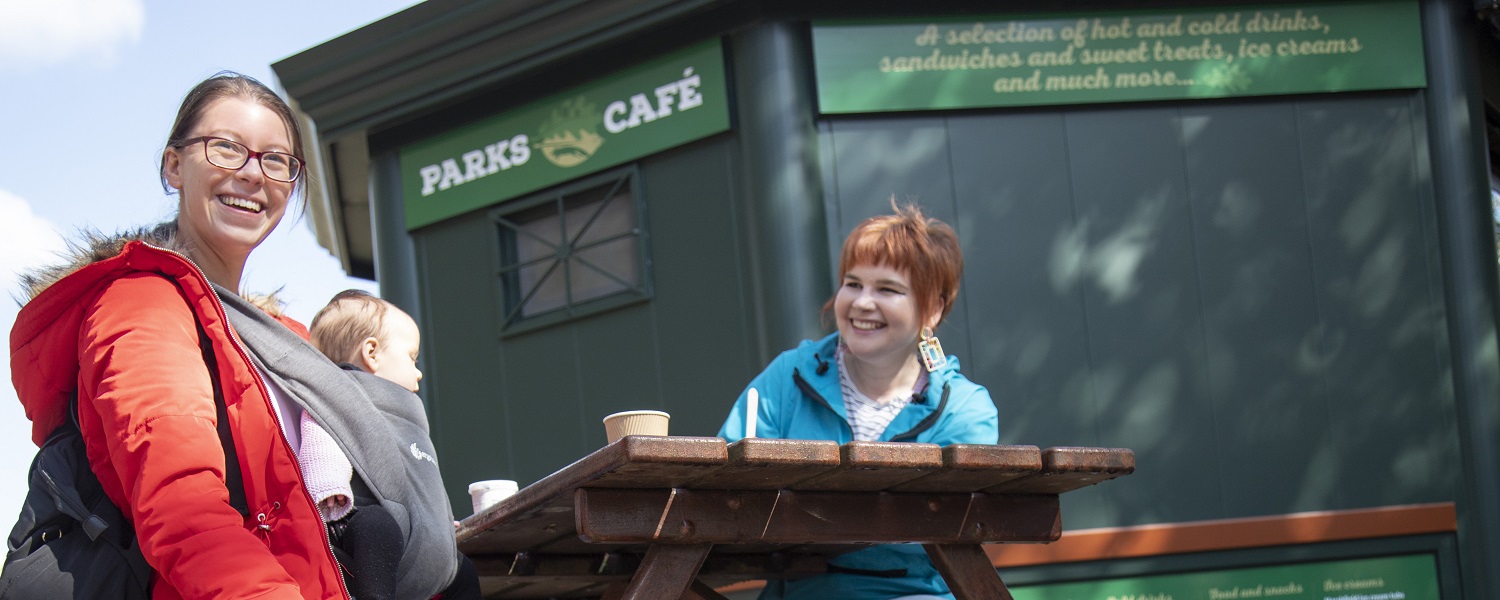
{"x":647,"y":518}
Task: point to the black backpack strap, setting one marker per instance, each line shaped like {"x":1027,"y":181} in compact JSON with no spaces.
{"x":69,"y":501}
{"x":233,"y":478}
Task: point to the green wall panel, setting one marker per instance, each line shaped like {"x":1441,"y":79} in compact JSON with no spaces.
{"x":1384,"y":342}
{"x":702,"y":307}
{"x":1256,"y":277}
{"x":1130,"y":251}
{"x":543,"y":387}
{"x":1026,"y":323}
{"x":471,"y":425}
{"x":618,"y":368}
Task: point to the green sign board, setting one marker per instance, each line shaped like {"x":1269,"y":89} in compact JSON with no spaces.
{"x":641,"y":111}
{"x":1410,"y":577}
{"x":1119,"y":57}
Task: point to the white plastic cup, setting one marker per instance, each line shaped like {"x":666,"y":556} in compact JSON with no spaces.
{"x":485,"y":494}
{"x":635,"y":422}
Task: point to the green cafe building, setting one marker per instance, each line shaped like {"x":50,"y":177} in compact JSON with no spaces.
{"x":1252,"y":242}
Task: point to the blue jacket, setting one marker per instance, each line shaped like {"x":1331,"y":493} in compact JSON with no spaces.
{"x":800,"y":398}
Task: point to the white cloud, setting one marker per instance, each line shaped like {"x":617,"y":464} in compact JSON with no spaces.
{"x":36,"y":34}
{"x":26,"y":240}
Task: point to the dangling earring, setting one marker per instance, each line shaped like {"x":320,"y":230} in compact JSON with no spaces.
{"x":931,"y":350}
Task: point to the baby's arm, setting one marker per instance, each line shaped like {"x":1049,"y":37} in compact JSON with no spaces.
{"x":325,"y":470}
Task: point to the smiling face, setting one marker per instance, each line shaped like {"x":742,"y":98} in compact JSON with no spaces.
{"x":226,"y":213}
{"x":877,"y":315}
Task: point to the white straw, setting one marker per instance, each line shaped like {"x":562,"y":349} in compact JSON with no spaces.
{"x":751,"y":412}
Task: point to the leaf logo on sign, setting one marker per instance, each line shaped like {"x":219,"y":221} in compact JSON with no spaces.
{"x":570,"y":135}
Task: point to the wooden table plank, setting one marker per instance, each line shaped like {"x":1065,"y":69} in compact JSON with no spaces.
{"x":718,"y":569}
{"x":572,"y":544}
{"x":819,"y":518}
{"x":973,"y":467}
{"x":517,"y":524}
{"x":1013,"y":518}
{"x":645,"y":516}
{"x":654,"y":461}
{"x":1065,"y":469}
{"x":875,"y":466}
{"x":527,"y":564}
{"x":795,"y":517}
{"x":770,"y":464}
{"x":756,"y":548}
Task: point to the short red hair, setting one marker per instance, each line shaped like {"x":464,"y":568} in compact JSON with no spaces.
{"x":925,"y":250}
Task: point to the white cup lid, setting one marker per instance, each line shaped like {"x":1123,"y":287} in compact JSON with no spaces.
{"x":492,"y":484}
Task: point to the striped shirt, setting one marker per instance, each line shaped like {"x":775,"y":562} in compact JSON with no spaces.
{"x":867,"y":417}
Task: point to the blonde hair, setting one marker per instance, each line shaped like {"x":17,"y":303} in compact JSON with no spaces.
{"x":269,"y":303}
{"x":351,"y":317}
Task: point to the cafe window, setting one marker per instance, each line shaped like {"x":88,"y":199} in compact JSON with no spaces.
{"x":573,"y":251}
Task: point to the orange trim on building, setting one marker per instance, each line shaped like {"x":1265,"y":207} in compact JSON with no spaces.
{"x":1225,"y":534}
{"x":753,"y":584}
{"x":1230,"y":534}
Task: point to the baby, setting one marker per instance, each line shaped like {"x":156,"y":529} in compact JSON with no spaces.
{"x":358,"y":331}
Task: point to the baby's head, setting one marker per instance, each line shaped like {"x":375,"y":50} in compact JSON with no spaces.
{"x":371,"y":334}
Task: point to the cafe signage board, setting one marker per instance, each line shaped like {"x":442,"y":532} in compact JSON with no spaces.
{"x":641,"y":111}
{"x":1118,"y":56}
{"x":1408,"y":577}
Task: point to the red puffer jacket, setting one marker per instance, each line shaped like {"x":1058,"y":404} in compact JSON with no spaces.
{"x":122,"y":330}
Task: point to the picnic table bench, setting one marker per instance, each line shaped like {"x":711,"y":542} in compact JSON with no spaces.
{"x":674,"y":517}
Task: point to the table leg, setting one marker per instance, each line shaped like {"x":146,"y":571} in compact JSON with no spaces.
{"x":667,"y":571}
{"x":968,"y":571}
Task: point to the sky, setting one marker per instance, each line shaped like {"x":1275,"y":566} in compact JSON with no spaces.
{"x":88,"y":91}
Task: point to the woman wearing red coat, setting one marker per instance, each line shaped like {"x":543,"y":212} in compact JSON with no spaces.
{"x":136,"y":329}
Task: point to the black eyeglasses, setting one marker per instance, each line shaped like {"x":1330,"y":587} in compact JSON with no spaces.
{"x":232,"y":155}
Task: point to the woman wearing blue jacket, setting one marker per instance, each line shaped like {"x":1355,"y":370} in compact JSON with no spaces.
{"x":881,"y":377}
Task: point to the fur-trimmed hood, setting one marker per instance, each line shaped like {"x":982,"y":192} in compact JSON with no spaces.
{"x":96,"y":246}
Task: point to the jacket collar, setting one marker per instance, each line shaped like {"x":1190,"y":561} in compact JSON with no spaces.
{"x":818,"y":373}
